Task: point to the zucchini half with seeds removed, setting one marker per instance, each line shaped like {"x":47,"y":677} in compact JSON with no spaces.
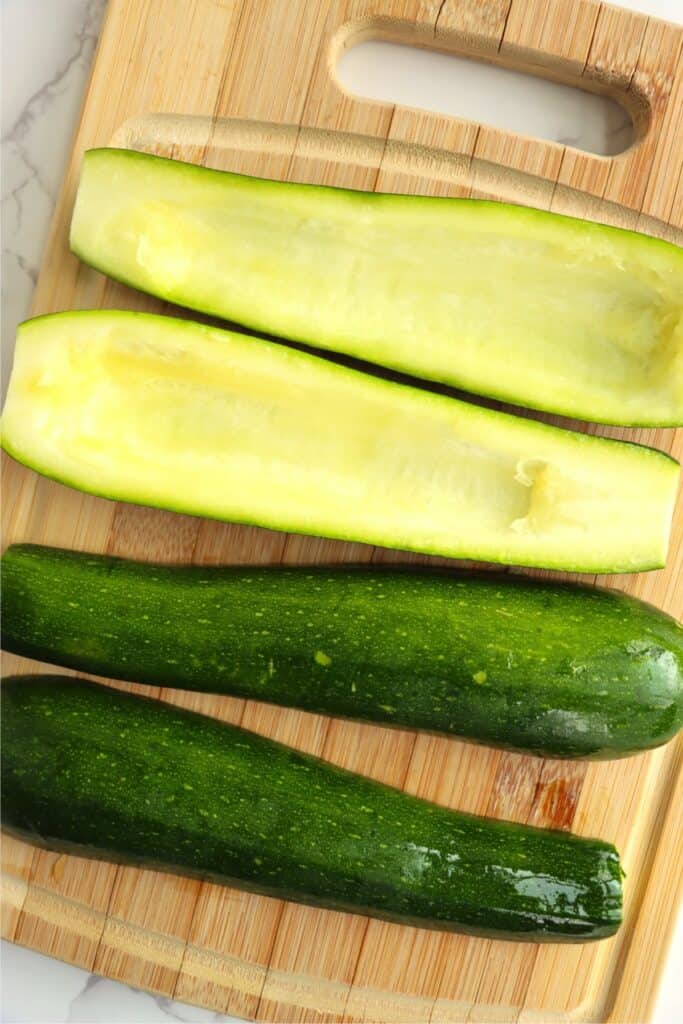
{"x":531,"y":307}
{"x":179,"y":415}
{"x":97,"y":772}
{"x":546,"y":668}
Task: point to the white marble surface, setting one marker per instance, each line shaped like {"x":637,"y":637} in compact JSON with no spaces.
{"x":47,"y":46}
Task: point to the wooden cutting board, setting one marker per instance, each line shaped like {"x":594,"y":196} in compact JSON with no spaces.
{"x":248,"y":85}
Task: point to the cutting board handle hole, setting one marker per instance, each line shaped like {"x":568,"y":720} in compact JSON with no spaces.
{"x":501,"y":97}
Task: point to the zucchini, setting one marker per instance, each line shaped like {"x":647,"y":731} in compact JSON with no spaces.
{"x":530,"y":307}
{"x":184,"y":416}
{"x":546,"y":668}
{"x":99,"y":772}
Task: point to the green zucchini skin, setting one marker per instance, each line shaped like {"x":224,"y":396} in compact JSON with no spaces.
{"x":100,"y":772}
{"x":546,"y":668}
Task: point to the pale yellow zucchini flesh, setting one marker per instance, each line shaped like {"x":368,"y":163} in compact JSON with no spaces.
{"x":183,"y":416}
{"x":531,"y":307}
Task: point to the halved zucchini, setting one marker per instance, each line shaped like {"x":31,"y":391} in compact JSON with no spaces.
{"x":527,"y":306}
{"x":538,"y":666}
{"x":91,"y":771}
{"x":180,"y":415}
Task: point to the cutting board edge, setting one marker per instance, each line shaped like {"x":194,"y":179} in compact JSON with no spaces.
{"x":56,"y":230}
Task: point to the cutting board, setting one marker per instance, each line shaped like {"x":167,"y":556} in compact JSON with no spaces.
{"x":248,"y":85}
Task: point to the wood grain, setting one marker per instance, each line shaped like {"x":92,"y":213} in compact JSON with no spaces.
{"x":249,"y":85}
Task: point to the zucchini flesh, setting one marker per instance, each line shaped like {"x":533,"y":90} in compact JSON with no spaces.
{"x":545,"y":668}
{"x":531,"y":307}
{"x":179,"y":415}
{"x":97,"y":771}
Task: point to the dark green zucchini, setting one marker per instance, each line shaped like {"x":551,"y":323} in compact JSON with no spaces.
{"x":103,"y":773}
{"x":543,"y":667}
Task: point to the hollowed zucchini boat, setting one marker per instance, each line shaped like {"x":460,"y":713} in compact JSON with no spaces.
{"x":183,"y":416}
{"x":531,"y":307}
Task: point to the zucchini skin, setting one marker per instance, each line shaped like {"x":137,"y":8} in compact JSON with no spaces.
{"x":101,"y":772}
{"x":546,"y":668}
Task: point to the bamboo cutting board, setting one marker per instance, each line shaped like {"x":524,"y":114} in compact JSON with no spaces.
{"x":247,"y":85}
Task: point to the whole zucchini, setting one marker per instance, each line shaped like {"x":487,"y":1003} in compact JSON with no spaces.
{"x":99,"y":772}
{"x":528,"y":306}
{"x":547,"y":668}
{"x":179,"y":415}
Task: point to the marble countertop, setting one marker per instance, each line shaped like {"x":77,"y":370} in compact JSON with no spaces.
{"x":47,"y":47}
